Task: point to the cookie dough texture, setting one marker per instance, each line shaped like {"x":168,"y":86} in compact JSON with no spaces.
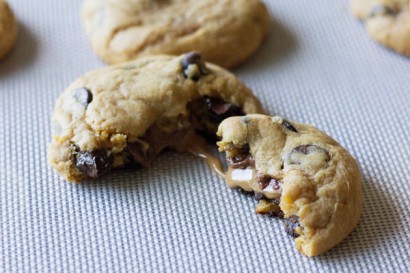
{"x":112,"y":107}
{"x":387,"y":22}
{"x":225,"y":32}
{"x":8,"y":28}
{"x":321,"y":180}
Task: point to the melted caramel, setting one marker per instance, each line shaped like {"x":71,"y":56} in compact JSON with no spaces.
{"x":213,"y":162}
{"x":197,"y":146}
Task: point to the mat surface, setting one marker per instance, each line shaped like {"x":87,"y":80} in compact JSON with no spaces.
{"x":319,"y":66}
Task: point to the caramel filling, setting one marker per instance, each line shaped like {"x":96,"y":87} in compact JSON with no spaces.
{"x":197,"y":146}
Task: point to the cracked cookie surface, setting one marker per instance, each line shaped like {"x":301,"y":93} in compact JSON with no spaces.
{"x":298,"y":173}
{"x":387,"y":22}
{"x":8,"y":28}
{"x":125,"y":115}
{"x":225,"y":32}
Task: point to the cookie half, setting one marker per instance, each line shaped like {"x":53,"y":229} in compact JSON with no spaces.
{"x":298,"y":173}
{"x":225,"y":32}
{"x":125,"y":115}
{"x":387,"y":22}
{"x":8,"y":28}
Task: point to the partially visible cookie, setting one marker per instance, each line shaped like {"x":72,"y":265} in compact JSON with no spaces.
{"x":125,"y":115}
{"x":298,"y":173}
{"x":8,"y":28}
{"x":387,"y":22}
{"x":225,"y":32}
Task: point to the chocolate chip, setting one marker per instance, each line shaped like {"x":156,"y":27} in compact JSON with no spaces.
{"x":294,"y":155}
{"x":291,"y":224}
{"x":83,"y":96}
{"x":289,"y":126}
{"x":244,"y":149}
{"x":265,"y":180}
{"x":206,"y":113}
{"x":304,"y":149}
{"x":242,"y":191}
{"x":259,"y":196}
{"x":382,"y":10}
{"x":140,"y":155}
{"x":268,"y":206}
{"x":94,"y":164}
{"x":276,"y":214}
{"x":246,"y":120}
{"x":243,"y":159}
{"x":218,"y":109}
{"x":194,"y":59}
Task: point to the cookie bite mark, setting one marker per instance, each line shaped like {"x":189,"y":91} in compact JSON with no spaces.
{"x":297,"y":173}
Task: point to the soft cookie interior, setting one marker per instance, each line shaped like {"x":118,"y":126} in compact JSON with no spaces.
{"x":298,"y":174}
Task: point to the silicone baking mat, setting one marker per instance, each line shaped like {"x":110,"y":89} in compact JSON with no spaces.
{"x":318,"y":66}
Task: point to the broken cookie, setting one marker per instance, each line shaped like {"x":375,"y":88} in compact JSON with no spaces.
{"x":297,"y":172}
{"x":127,"y":114}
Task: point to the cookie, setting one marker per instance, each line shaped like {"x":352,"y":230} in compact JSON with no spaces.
{"x":8,"y":28}
{"x":225,"y":32}
{"x":387,"y":22}
{"x":297,"y":173}
{"x":125,"y":115}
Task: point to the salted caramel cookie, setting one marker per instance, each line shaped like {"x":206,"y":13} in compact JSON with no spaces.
{"x":225,"y":32}
{"x":387,"y":22}
{"x":297,"y":173}
{"x":8,"y":28}
{"x":125,"y":115}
